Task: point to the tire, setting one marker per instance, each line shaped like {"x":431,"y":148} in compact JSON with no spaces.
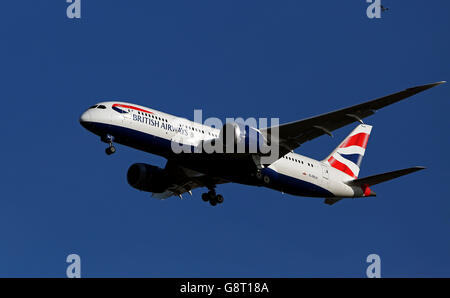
{"x":219,"y":199}
{"x":212,"y":195}
{"x":266,"y":179}
{"x":110,"y":150}
{"x":213,"y":202}
{"x":205,"y":197}
{"x":258,"y":175}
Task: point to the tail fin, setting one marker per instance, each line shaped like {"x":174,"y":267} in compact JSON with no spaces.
{"x":348,"y":155}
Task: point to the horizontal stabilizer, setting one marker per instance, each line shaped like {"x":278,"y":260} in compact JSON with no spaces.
{"x":376,"y":179}
{"x":331,"y":201}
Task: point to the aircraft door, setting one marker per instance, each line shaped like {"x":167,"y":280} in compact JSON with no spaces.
{"x":127,"y":119}
{"x":325,"y":174}
{"x":178,"y":135}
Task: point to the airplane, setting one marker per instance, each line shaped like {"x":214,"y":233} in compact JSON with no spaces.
{"x":333,"y":178}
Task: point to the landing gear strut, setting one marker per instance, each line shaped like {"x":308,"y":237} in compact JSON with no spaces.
{"x":111,"y":149}
{"x":212,"y":197}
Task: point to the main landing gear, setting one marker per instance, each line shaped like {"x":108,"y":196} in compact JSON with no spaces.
{"x":212,"y":197}
{"x":111,"y":149}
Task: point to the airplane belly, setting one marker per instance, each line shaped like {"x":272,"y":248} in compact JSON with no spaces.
{"x":309,"y":186}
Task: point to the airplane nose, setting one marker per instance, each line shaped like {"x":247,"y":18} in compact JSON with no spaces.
{"x":85,"y":117}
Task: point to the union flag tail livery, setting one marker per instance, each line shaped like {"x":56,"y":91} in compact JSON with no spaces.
{"x":333,"y":178}
{"x":347,"y":157}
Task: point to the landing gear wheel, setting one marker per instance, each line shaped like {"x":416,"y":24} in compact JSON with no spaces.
{"x":219,"y":199}
{"x":266,"y":179}
{"x":212,"y":195}
{"x":110,"y":150}
{"x":205,"y":197}
{"x":259,"y":175}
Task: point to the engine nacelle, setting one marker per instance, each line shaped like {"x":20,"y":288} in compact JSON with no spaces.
{"x":147,"y":178}
{"x":240,"y":138}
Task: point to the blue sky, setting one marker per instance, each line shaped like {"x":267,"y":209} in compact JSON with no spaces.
{"x":289,"y":59}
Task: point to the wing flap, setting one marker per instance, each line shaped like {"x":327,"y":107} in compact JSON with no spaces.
{"x":185,"y":180}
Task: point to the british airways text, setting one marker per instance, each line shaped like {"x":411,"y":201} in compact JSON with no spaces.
{"x":159,"y":124}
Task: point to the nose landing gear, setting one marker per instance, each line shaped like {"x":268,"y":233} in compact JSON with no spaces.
{"x":109,"y":139}
{"x":212,"y":197}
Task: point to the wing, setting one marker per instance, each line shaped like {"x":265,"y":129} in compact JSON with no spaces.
{"x":292,"y":135}
{"x":185,"y":180}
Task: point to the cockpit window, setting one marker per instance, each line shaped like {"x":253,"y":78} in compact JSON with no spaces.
{"x":101,"y":107}
{"x":93,"y":107}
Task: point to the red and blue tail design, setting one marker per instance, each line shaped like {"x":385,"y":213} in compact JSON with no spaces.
{"x":348,"y":155}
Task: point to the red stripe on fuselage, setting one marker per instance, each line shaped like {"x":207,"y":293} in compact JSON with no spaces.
{"x":341,"y":167}
{"x":359,"y":139}
{"x":131,"y":107}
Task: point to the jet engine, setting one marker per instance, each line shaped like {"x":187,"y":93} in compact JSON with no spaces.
{"x":147,"y":178}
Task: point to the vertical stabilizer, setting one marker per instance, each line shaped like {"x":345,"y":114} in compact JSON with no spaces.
{"x":348,"y":155}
